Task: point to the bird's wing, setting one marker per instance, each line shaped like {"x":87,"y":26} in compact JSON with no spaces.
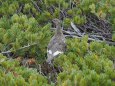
{"x":55,"y":50}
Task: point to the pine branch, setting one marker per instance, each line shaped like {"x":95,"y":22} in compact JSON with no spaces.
{"x":10,"y":51}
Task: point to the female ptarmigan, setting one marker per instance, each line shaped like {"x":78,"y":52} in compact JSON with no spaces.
{"x":57,"y":44}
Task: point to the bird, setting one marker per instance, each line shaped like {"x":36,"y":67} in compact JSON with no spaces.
{"x":57,"y":44}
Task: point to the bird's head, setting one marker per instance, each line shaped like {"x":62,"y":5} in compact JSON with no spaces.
{"x":56,"y":22}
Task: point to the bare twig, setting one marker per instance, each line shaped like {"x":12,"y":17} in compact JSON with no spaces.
{"x":76,"y":29}
{"x":91,"y":39}
{"x":97,"y":37}
{"x":6,"y":52}
{"x":20,"y":8}
{"x":36,"y":6}
{"x":9,"y":51}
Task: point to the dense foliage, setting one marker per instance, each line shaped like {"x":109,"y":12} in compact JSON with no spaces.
{"x":85,"y":64}
{"x":27,"y":23}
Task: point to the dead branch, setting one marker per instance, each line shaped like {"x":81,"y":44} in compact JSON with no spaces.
{"x":91,"y":39}
{"x":20,"y":8}
{"x":76,"y":29}
{"x":27,"y":46}
{"x":36,"y":6}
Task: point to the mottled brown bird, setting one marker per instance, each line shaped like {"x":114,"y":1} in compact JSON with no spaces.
{"x":57,"y":44}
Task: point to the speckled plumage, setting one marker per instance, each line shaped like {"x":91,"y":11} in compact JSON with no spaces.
{"x":57,"y":44}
